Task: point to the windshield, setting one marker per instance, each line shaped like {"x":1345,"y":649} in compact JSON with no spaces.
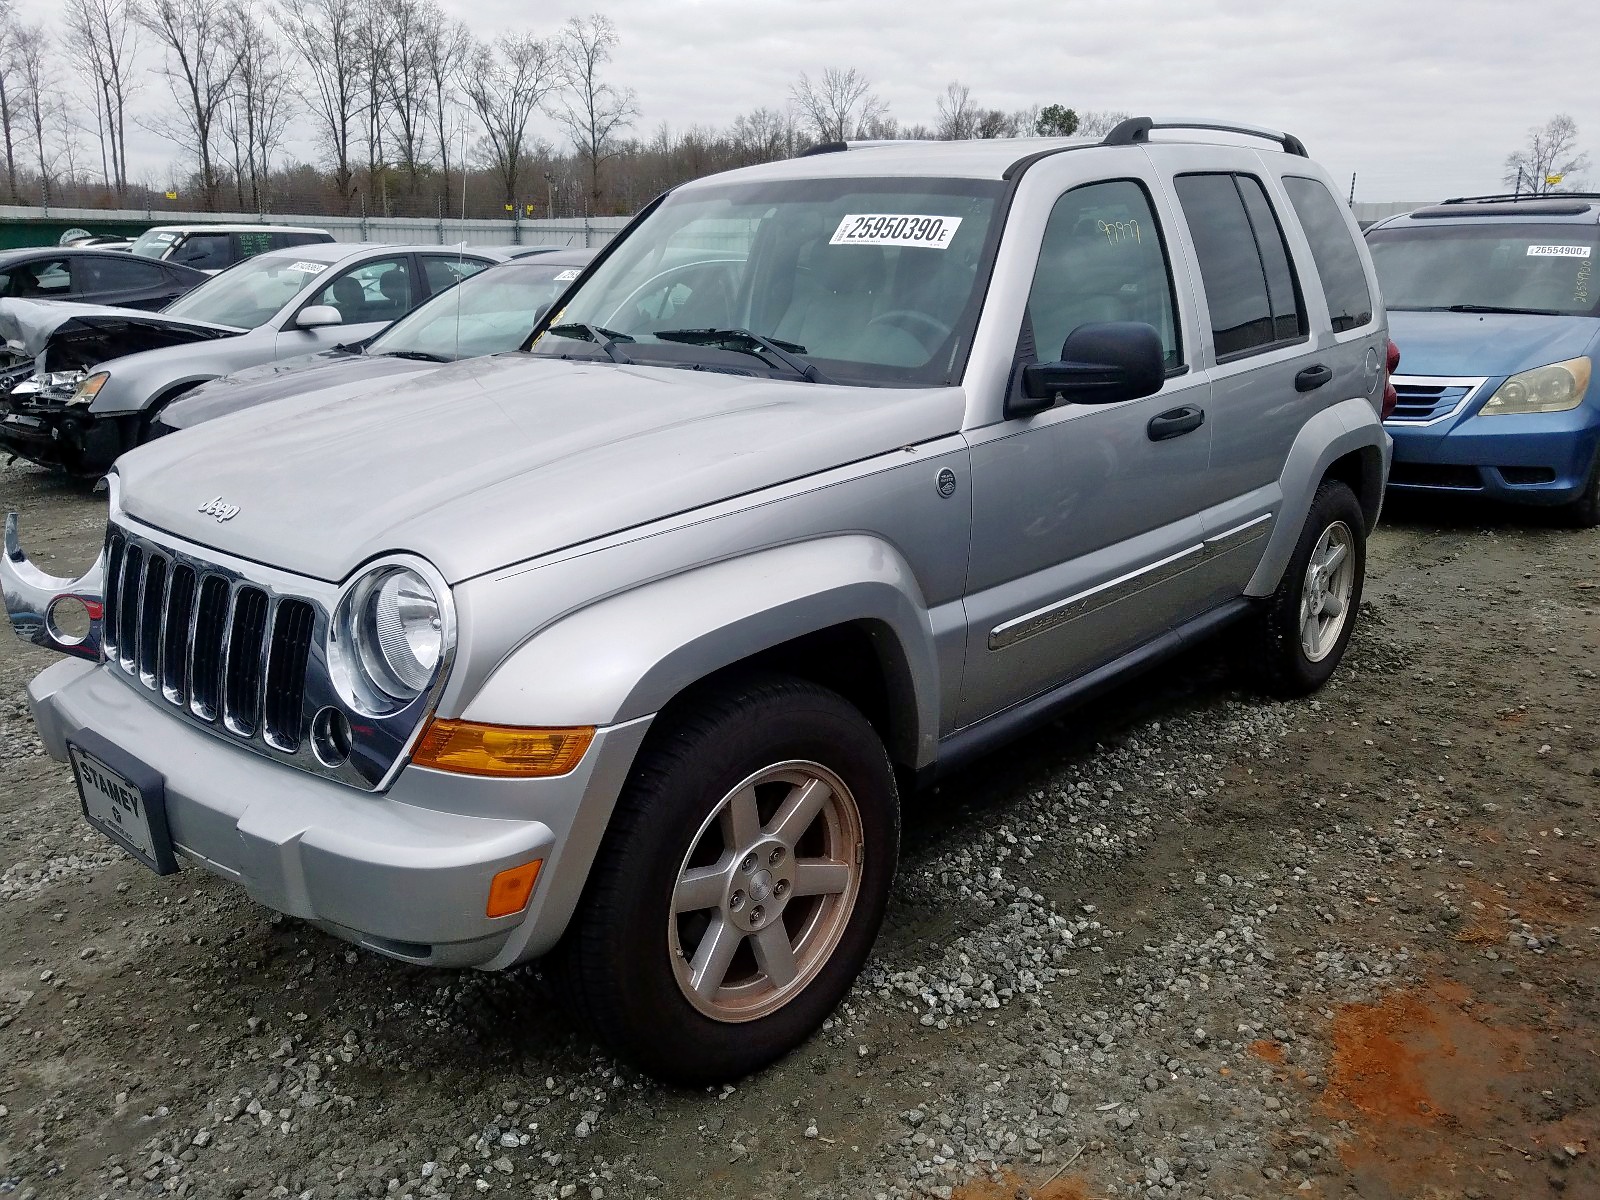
{"x":873,"y":281}
{"x":489,"y":313}
{"x":153,"y":243}
{"x":1545,"y":268}
{"x":247,"y":295}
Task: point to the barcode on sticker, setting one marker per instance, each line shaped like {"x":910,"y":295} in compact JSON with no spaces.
{"x":566,"y":277}
{"x":1559,"y":251}
{"x":308,"y":268}
{"x":895,"y":229}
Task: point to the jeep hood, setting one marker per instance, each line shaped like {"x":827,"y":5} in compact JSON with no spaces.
{"x":1486,"y":344}
{"x":354,"y":373}
{"x":72,"y":336}
{"x":496,"y":460}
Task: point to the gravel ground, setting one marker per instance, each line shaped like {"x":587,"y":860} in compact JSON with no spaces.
{"x":1187,"y":944}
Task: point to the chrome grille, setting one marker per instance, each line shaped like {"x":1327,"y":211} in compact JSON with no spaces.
{"x":1423,"y":403}
{"x":229,"y":652}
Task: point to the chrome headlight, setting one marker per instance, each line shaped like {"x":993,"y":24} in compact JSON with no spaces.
{"x":88,"y":388}
{"x":1556,"y":388}
{"x":392,"y":633}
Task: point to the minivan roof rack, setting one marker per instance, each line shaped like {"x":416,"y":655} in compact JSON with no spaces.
{"x":1136,"y":130}
{"x":1521,"y":197}
{"x":1568,"y":204}
{"x":823,"y":148}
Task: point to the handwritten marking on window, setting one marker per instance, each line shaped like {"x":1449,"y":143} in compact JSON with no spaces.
{"x":1120,"y":231}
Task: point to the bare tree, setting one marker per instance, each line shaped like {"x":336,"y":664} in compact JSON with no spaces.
{"x":838,"y":106}
{"x":446,"y":47}
{"x":199,"y":67}
{"x":762,"y":135}
{"x":405,"y":81}
{"x":375,"y":34}
{"x":256,"y":113}
{"x":10,"y":107}
{"x":326,"y":36}
{"x":506,"y":83}
{"x":38,"y":92}
{"x":1551,"y":151}
{"x":104,"y":34}
{"x":958,"y":116}
{"x":594,"y":112}
{"x":1098,"y":123}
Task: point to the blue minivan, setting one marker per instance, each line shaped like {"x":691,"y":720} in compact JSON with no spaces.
{"x":1494,"y":302}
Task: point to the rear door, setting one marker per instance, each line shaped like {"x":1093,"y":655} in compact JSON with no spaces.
{"x":1085,"y":519}
{"x":1268,"y":374}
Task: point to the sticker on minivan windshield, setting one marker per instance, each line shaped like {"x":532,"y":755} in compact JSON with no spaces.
{"x":895,"y":229}
{"x":566,"y":277}
{"x":1559,"y":251}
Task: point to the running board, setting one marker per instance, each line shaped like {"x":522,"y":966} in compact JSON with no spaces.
{"x":964,"y":745}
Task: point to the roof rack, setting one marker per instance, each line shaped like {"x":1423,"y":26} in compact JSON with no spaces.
{"x":1136,"y":130}
{"x":1521,"y":197}
{"x":823,"y":148}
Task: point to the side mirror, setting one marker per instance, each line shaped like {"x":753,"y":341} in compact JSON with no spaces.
{"x":317,"y":316}
{"x":1102,"y":363}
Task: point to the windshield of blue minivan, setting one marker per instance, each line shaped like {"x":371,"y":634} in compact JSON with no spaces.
{"x":489,"y":313}
{"x":248,"y":295}
{"x":153,"y":243}
{"x":1498,"y":266}
{"x":869,"y":281}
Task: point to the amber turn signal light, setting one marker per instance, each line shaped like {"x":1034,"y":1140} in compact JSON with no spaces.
{"x":510,"y":889}
{"x":506,"y":751}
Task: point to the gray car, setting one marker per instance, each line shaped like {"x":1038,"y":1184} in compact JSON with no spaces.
{"x":828,"y":477}
{"x":491,"y":313}
{"x":102,"y":388}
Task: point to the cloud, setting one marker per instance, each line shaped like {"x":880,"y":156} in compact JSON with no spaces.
{"x":1420,"y":98}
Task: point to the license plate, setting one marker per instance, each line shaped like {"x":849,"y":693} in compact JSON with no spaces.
{"x":130,"y":812}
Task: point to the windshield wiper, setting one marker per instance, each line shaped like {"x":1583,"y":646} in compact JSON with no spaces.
{"x":606,"y":339}
{"x":1498,"y":308}
{"x":751,"y":343}
{"x":416,"y":355}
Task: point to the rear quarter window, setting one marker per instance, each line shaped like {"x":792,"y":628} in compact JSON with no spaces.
{"x":1333,"y":249}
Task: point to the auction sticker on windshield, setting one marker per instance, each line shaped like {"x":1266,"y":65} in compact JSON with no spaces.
{"x":895,"y":229}
{"x":308,"y":268}
{"x":1559,"y":251}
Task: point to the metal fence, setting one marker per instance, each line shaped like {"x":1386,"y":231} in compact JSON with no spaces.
{"x":37,"y":226}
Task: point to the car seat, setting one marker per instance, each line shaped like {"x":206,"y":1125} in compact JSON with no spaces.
{"x":831,"y":317}
{"x":350,"y":299}
{"x":395,"y":284}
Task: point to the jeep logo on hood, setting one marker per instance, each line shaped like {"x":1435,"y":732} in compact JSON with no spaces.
{"x":215,"y":507}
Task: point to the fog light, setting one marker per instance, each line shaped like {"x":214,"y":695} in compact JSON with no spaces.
{"x":510,"y":889}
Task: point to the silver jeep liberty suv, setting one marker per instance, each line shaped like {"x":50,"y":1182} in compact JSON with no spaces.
{"x":829,"y":475}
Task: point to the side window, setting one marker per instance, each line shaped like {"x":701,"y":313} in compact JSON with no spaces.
{"x":1333,"y":249}
{"x":1244,"y":263}
{"x":203,"y":252}
{"x":441,"y":273}
{"x":375,"y":291}
{"x":44,"y":279}
{"x":107,"y":274}
{"x":1102,"y":259}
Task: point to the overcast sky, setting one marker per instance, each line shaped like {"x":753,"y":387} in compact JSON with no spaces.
{"x":1421,"y":98}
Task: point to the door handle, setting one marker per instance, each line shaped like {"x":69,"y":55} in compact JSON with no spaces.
{"x":1175,"y":423}
{"x":1312,"y":378}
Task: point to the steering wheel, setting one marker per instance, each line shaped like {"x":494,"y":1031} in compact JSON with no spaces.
{"x":912,"y":320}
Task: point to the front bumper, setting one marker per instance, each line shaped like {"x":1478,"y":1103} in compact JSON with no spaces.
{"x":55,"y":435}
{"x":1543,"y":458}
{"x":405,"y":873}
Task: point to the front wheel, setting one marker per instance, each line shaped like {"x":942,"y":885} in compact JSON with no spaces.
{"x":741,"y":884}
{"x":1303,"y":629}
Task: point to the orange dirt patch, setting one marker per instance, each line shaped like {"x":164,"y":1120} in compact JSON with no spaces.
{"x":1267,"y":1051}
{"x":1011,"y":1186}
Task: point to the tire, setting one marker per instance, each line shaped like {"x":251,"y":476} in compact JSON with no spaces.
{"x":1287,"y":656}
{"x":1584,"y":512}
{"x":667,"y":890}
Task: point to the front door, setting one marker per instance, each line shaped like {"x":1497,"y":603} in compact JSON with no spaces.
{"x":1086,"y":517}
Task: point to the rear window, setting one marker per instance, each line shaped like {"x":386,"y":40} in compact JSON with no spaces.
{"x":1333,"y":249}
{"x":1501,"y":266}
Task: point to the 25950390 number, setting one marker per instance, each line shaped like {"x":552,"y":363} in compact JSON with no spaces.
{"x":895,"y":229}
